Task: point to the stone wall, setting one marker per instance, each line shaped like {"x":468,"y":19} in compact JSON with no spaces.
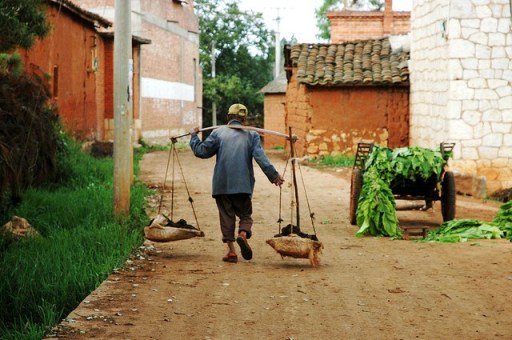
{"x":461,"y":74}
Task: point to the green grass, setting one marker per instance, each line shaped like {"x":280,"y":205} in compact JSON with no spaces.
{"x":42,"y":279}
{"x":334,"y":161}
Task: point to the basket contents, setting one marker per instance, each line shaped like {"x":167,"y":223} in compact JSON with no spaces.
{"x":162,"y":229}
{"x":292,"y":229}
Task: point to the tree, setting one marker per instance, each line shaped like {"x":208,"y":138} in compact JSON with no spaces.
{"x":323,"y":23}
{"x":243,"y":56}
{"x":29,"y":135}
{"x":21,"y":21}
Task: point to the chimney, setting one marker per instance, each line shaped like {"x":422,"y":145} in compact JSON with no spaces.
{"x":387,"y":25}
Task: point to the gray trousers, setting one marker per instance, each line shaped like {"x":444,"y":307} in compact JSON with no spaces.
{"x":231,"y":206}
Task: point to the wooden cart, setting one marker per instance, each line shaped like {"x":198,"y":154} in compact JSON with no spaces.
{"x":403,"y":189}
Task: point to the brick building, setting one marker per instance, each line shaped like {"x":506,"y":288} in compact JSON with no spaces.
{"x":341,"y":94}
{"x":354,"y":89}
{"x":170,"y":75}
{"x":350,"y":25}
{"x":78,"y":57}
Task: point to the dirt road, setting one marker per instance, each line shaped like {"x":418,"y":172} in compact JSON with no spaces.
{"x":365,"y":288}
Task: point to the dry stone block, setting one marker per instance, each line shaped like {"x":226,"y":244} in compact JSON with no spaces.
{"x":18,"y":227}
{"x":471,"y":185}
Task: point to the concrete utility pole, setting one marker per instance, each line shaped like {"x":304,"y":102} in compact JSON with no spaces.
{"x":123,"y":152}
{"x":278,"y":48}
{"x":214,"y":104}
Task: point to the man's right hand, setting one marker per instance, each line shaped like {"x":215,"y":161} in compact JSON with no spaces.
{"x":194,"y":131}
{"x":279,"y":180}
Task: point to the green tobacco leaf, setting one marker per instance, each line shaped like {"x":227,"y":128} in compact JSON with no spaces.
{"x":383,"y":166}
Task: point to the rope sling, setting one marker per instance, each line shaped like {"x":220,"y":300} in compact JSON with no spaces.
{"x":294,"y":201}
{"x":163,"y":228}
{"x":293,"y":242}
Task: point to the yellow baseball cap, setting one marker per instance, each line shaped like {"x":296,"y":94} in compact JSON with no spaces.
{"x":238,"y":109}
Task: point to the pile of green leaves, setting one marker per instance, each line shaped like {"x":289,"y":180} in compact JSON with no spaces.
{"x":469,"y":229}
{"x":463,"y":230}
{"x":376,"y":213}
{"x":376,"y":210}
{"x":503,"y":219}
{"x":411,"y":163}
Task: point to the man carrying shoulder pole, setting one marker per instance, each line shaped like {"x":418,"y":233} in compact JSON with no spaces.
{"x":233,"y":177}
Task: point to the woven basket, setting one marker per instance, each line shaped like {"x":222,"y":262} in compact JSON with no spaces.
{"x":167,"y":234}
{"x":160,"y":231}
{"x":297,"y":247}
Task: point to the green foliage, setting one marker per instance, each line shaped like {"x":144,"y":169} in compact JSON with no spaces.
{"x":411,"y":163}
{"x":376,"y":209}
{"x":322,"y":22}
{"x":24,"y":21}
{"x":334,"y":161}
{"x":42,"y":279}
{"x":11,"y":64}
{"x":503,"y":219}
{"x":243,"y":57}
{"x":464,"y":230}
{"x":469,"y":229}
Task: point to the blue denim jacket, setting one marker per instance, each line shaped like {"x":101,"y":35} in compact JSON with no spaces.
{"x":235,"y":149}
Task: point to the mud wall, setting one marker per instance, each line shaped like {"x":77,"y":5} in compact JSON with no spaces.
{"x":274,"y":119}
{"x":333,"y":120}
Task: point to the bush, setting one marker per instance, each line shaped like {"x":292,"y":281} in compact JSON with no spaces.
{"x":29,"y":131}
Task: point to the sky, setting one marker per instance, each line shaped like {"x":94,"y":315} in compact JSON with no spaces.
{"x":297,"y":17}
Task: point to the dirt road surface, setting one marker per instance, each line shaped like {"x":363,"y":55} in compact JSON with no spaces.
{"x":365,"y":288}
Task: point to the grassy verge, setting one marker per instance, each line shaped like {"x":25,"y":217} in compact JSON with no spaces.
{"x":42,"y":279}
{"x":329,"y":161}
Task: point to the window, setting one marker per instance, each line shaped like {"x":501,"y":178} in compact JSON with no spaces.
{"x":55,"y":93}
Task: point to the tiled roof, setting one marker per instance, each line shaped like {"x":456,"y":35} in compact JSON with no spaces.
{"x":277,"y":85}
{"x":361,"y":63}
{"x":82,"y":13}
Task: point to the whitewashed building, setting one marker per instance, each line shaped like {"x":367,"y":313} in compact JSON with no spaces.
{"x":461,"y":86}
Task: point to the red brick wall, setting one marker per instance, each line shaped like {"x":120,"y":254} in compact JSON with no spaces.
{"x":274,"y":119}
{"x":333,"y":120}
{"x":69,"y":47}
{"x":358,"y":25}
{"x":172,"y":56}
{"x":398,"y":117}
{"x":172,"y":59}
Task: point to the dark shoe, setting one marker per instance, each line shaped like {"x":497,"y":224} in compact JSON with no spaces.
{"x":244,"y":247}
{"x":231,"y":258}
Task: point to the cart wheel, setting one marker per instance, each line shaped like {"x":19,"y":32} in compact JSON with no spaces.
{"x":355,"y":191}
{"x":448,"y":196}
